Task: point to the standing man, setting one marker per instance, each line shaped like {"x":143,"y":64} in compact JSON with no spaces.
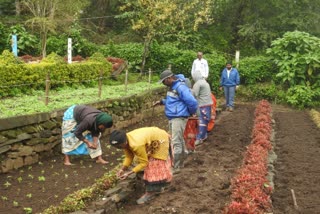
{"x":230,"y":81}
{"x":179,"y":105}
{"x":200,"y":65}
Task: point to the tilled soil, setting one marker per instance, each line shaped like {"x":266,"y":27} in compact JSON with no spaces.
{"x":203,"y":186}
{"x":298,"y":163}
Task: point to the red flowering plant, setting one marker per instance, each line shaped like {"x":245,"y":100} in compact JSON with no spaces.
{"x":250,"y":188}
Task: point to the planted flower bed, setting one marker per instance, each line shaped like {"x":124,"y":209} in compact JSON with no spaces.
{"x":250,"y":188}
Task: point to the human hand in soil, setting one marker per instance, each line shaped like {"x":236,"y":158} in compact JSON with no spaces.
{"x":125,"y":175}
{"x":120,"y":172}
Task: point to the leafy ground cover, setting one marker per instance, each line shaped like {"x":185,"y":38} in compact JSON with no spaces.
{"x":203,"y":186}
{"x":65,"y":97}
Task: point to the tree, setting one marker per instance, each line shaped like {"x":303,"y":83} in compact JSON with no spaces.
{"x":158,"y":18}
{"x":48,"y":15}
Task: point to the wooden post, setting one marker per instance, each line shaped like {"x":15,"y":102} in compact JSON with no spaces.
{"x":100,"y":84}
{"x":169,"y":67}
{"x":47,"y":89}
{"x":126,"y":81}
{"x":237,"y":59}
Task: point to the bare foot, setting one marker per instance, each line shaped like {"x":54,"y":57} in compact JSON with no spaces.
{"x":101,"y":161}
{"x":68,"y":164}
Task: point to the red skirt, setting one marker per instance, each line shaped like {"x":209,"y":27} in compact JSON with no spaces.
{"x":158,"y":171}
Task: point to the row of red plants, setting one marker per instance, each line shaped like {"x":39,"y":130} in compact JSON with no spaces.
{"x":250,"y":188}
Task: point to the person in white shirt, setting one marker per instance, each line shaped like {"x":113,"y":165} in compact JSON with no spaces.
{"x":200,"y":65}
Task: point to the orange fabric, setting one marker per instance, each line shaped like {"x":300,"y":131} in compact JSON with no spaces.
{"x":191,"y":130}
{"x":190,"y":133}
{"x":213,"y":113}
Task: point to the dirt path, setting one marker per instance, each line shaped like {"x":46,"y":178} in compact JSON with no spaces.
{"x":298,"y":163}
{"x":203,"y":185}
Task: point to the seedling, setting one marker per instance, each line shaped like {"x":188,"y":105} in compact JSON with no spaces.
{"x":40,"y":163}
{"x":15,"y":203}
{"x":41,"y":178}
{"x":66,"y":176}
{"x":30,"y":168}
{"x":4,"y":198}
{"x":28,"y":210}
{"x":42,"y":171}
{"x":7,"y":184}
{"x":19,"y":179}
{"x":30,"y":176}
{"x":29,"y":195}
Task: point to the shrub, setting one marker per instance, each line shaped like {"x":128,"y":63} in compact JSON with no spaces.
{"x":258,"y":69}
{"x":7,"y":58}
{"x":303,"y":96}
{"x":53,"y":58}
{"x":297,"y":56}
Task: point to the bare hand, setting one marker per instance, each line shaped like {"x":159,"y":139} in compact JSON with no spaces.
{"x":156,"y":103}
{"x":92,"y":145}
{"x":124,"y":176}
{"x":120,"y":172}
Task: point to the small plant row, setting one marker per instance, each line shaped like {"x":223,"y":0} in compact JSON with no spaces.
{"x":315,"y":115}
{"x":81,"y":198}
{"x":250,"y":188}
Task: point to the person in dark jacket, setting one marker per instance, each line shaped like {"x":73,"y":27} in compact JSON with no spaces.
{"x":230,"y":81}
{"x":81,"y":128}
{"x":179,"y":105}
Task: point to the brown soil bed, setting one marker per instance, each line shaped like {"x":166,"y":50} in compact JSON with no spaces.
{"x":203,"y":186}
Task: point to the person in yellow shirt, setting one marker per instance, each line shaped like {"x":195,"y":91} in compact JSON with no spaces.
{"x":150,"y":145}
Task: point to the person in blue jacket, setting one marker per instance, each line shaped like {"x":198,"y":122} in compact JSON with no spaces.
{"x":230,"y":81}
{"x":179,"y":105}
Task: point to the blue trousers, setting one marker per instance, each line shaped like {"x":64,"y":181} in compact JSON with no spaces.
{"x":204,"y":118}
{"x":229,"y":92}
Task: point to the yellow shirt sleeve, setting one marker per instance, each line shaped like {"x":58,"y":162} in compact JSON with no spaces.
{"x":142,"y":156}
{"x":128,"y":158}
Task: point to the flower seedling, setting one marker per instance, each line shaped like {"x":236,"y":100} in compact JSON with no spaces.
{"x":7,"y":184}
{"x":19,"y":179}
{"x":15,"y":203}
{"x":28,"y":210}
{"x":41,"y":178}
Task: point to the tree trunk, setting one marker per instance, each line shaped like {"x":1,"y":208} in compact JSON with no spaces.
{"x":18,"y":8}
{"x":146,"y":48}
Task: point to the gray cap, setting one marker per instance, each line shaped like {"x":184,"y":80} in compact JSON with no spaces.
{"x":165,"y":74}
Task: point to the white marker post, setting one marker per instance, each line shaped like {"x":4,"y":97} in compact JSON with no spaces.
{"x":237,"y":58}
{"x":69,"y":50}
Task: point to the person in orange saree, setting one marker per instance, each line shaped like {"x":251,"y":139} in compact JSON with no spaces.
{"x":150,"y":145}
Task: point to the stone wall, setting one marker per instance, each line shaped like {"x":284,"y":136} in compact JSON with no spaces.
{"x":25,"y":140}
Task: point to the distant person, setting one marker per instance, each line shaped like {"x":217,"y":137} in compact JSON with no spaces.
{"x":201,"y":90}
{"x":150,"y":146}
{"x":81,"y":128}
{"x":229,"y":81}
{"x":200,"y":65}
{"x":179,"y":105}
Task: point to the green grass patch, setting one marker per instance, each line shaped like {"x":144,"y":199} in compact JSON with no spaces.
{"x":65,"y":97}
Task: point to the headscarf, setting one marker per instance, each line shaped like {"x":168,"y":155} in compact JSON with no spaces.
{"x":117,"y":137}
{"x":104,"y":119}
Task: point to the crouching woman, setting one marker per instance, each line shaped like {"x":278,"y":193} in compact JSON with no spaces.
{"x":81,"y":128}
{"x":150,"y":146}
